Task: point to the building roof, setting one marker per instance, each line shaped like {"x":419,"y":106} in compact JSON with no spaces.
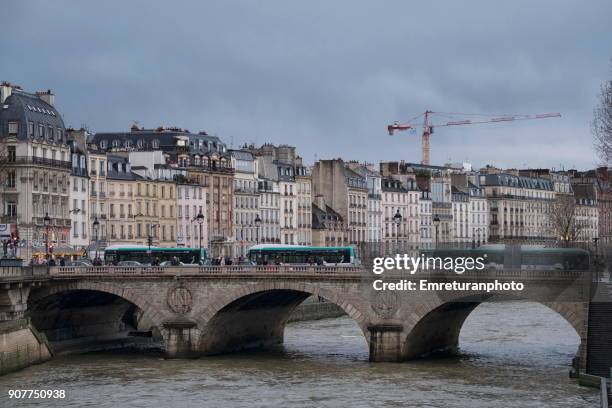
{"x":167,"y":140}
{"x":321,"y":217}
{"x":24,"y":107}
{"x":510,"y":180}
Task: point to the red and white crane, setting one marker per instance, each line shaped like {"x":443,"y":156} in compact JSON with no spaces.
{"x":428,"y":127}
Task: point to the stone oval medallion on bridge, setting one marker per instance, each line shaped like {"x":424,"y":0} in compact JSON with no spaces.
{"x":384,"y":303}
{"x":180,"y":299}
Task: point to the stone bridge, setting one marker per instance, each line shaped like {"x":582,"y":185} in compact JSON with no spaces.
{"x":209,"y":310}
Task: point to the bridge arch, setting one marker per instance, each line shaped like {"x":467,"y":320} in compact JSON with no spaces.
{"x":436,"y":323}
{"x":254,"y":315}
{"x":149,"y":315}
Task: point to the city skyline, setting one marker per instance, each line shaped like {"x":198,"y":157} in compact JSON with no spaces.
{"x":338,"y":82}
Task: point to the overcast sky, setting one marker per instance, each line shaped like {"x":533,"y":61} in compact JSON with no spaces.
{"x":325,"y":76}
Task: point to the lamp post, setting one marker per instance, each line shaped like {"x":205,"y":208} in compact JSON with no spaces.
{"x":257,"y":224}
{"x":150,"y":241}
{"x":200,"y":220}
{"x":47,"y":222}
{"x":397,"y":218}
{"x":436,"y":221}
{"x":96,"y":226}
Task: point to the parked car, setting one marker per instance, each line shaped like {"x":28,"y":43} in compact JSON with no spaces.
{"x":80,"y":262}
{"x":129,"y":263}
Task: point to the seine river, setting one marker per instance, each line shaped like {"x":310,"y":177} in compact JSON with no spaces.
{"x":512,"y":355}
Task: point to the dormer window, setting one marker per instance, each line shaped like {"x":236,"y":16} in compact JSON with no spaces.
{"x":103,"y":144}
{"x":116,"y":143}
{"x":155,"y":144}
{"x":13,"y":128}
{"x":140,"y":143}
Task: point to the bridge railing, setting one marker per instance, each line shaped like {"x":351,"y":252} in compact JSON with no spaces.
{"x":231,"y":270}
{"x":201,"y":270}
{"x":22,"y":272}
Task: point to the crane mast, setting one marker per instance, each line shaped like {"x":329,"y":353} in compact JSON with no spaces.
{"x":428,"y":127}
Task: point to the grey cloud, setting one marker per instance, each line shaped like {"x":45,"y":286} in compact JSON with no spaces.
{"x":324,"y":76}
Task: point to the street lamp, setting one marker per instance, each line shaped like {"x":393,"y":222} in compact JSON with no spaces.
{"x":150,"y":241}
{"x":200,"y":220}
{"x":257,"y":223}
{"x":47,"y":222}
{"x":436,"y":221}
{"x":96,"y":226}
{"x":474,"y":232}
{"x":397,"y":218}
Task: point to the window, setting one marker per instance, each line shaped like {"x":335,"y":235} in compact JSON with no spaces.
{"x":11,"y":209}
{"x":30,"y":129}
{"x":13,"y":128}
{"x":10,"y":179}
{"x":41,"y":130}
{"x":155,"y":144}
{"x":11,"y":153}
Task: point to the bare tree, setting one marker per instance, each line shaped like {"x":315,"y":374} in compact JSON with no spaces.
{"x":601,"y":126}
{"x":563,"y":219}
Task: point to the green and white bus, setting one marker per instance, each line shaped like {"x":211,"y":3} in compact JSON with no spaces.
{"x":278,"y":254}
{"x":140,"y":253}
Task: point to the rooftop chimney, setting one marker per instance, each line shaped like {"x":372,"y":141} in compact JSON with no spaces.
{"x":47,"y":96}
{"x":5,"y":91}
{"x":320,"y":201}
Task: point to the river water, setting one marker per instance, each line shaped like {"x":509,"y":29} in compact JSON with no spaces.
{"x":512,"y":355}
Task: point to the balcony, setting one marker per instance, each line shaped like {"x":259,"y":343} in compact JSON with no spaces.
{"x":66,"y":165}
{"x":102,"y":194}
{"x":93,"y":193}
{"x":8,"y":219}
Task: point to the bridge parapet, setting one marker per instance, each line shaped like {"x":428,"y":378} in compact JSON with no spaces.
{"x":311,"y":270}
{"x":12,"y":273}
{"x":203,"y":271}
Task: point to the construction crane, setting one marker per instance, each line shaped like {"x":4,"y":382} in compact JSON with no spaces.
{"x":428,"y":127}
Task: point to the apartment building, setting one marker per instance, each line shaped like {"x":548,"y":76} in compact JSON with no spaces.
{"x":328,"y":227}
{"x":201,"y":158}
{"x":190,"y":202}
{"x":304,"y":204}
{"x":80,"y":237}
{"x":246,"y":201}
{"x":374,"y":219}
{"x":37,"y":171}
{"x":519,"y":206}
{"x":346,"y":192}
